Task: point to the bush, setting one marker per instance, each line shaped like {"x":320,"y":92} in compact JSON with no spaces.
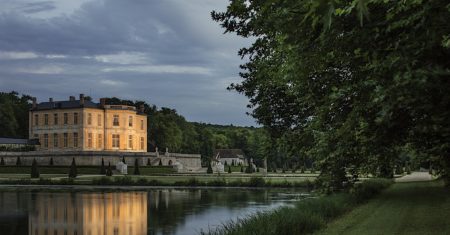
{"x":51,"y":162}
{"x":18,"y":162}
{"x":73,"y":169}
{"x":2,"y":162}
{"x":109,"y":170}
{"x":160,"y":162}
{"x":209,"y":170}
{"x":367,"y":189}
{"x":136,"y":167}
{"x":242,"y":169}
{"x":34,"y":169}
{"x":148,"y":162}
{"x":102,"y":168}
{"x":229,"y":170}
{"x":256,"y":182}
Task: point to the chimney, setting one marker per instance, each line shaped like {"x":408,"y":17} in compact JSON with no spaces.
{"x":81,"y":99}
{"x":141,"y":108}
{"x":102,"y":102}
{"x":72,"y":98}
{"x":34,"y":102}
{"x":50,"y":100}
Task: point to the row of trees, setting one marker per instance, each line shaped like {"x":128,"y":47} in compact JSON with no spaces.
{"x":353,"y":85}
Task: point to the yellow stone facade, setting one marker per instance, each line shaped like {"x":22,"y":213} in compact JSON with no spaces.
{"x":76,"y":125}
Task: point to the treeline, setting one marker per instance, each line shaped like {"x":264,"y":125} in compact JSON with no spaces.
{"x":166,"y":129}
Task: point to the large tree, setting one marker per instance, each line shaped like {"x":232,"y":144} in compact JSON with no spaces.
{"x":353,"y":82}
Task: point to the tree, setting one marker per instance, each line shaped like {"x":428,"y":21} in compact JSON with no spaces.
{"x":34,"y":169}
{"x":160,"y":162}
{"x":349,"y":82}
{"x":18,"y":162}
{"x":229,"y":169}
{"x":2,"y":162}
{"x":51,"y":162}
{"x":242,"y":169}
{"x":109,"y":170}
{"x":136,"y":167}
{"x":209,"y":170}
{"x":73,"y":169}
{"x":102,"y":168}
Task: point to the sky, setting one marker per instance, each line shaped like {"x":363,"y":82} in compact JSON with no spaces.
{"x":168,"y":53}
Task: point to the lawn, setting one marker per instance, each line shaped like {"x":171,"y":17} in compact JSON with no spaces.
{"x":405,"y":208}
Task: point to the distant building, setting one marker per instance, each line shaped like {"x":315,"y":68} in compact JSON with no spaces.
{"x":230,"y":156}
{"x":82,"y":125}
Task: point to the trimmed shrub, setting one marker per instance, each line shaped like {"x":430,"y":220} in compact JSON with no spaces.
{"x":242,"y":169}
{"x":229,"y":170}
{"x":148,"y":162}
{"x":123,"y":159}
{"x":51,"y":162}
{"x":136,"y":167}
{"x":34,"y":169}
{"x":102,"y":168}
{"x":73,"y":169}
{"x":209,"y":170}
{"x":109,"y":170}
{"x":2,"y":162}
{"x":18,"y":162}
{"x":160,"y":162}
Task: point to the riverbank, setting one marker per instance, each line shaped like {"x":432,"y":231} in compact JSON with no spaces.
{"x":306,"y":216}
{"x":230,"y":180}
{"x":405,"y":208}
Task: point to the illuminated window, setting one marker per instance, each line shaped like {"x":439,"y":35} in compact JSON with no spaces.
{"x":45,"y":119}
{"x":130,"y":121}
{"x":89,"y":121}
{"x":36,"y":119}
{"x":130,"y":141}
{"x":75,"y":118}
{"x":116,"y":120}
{"x":115,"y":140}
{"x":142,"y":143}
{"x":75,"y":139}
{"x":89,"y":140}
{"x":66,"y":118}
{"x":99,"y":119}
{"x":55,"y":119}
{"x":99,"y":141}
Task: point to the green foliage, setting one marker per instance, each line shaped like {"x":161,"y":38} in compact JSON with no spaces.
{"x":136,"y":167}
{"x":229,"y":170}
{"x":148,"y":162}
{"x":102,"y":168}
{"x":73,"y":169}
{"x":2,"y":162}
{"x":34,"y":169}
{"x":51,"y":162}
{"x":350,"y":84}
{"x":160,"y":162}
{"x":14,"y":115}
{"x":18,"y":162}
{"x":109,"y":170}
{"x":209,"y":170}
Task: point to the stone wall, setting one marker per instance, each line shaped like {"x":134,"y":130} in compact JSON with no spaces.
{"x":190,"y":162}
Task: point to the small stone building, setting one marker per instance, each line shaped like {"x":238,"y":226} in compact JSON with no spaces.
{"x":230,"y":156}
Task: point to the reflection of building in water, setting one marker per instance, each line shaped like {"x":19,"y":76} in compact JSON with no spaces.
{"x":90,"y":214}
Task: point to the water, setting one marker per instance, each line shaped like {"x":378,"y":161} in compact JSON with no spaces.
{"x":156,"y":211}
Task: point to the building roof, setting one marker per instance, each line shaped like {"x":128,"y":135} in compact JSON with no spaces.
{"x":69,"y":104}
{"x":18,"y":141}
{"x":229,"y":153}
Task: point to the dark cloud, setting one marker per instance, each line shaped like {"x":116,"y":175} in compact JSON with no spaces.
{"x":169,"y":53}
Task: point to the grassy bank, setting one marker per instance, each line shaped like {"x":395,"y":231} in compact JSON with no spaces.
{"x":120,"y":180}
{"x":307,"y":216}
{"x":144,"y":170}
{"x":405,"y":208}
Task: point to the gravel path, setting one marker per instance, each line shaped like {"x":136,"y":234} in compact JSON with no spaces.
{"x":415,"y":177}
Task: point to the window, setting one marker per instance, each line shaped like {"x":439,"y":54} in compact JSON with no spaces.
{"x":89,"y":121}
{"x":46,"y":140}
{"x":45,"y":119}
{"x":55,"y":119}
{"x":89,"y":140}
{"x":75,"y":139}
{"x":115,"y":140}
{"x":142,"y":124}
{"x":65,"y":140}
{"x":142,"y":143}
{"x":99,"y":120}
{"x":55,"y":140}
{"x":130,"y":121}
{"x":130,"y":141}
{"x":36,"y":120}
{"x":99,"y":141}
{"x":116,"y":120}
{"x":66,"y":118}
{"x":75,"y":118}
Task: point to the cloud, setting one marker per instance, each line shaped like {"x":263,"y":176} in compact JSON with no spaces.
{"x":17,"y":55}
{"x":169,"y":53}
{"x":160,"y":69}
